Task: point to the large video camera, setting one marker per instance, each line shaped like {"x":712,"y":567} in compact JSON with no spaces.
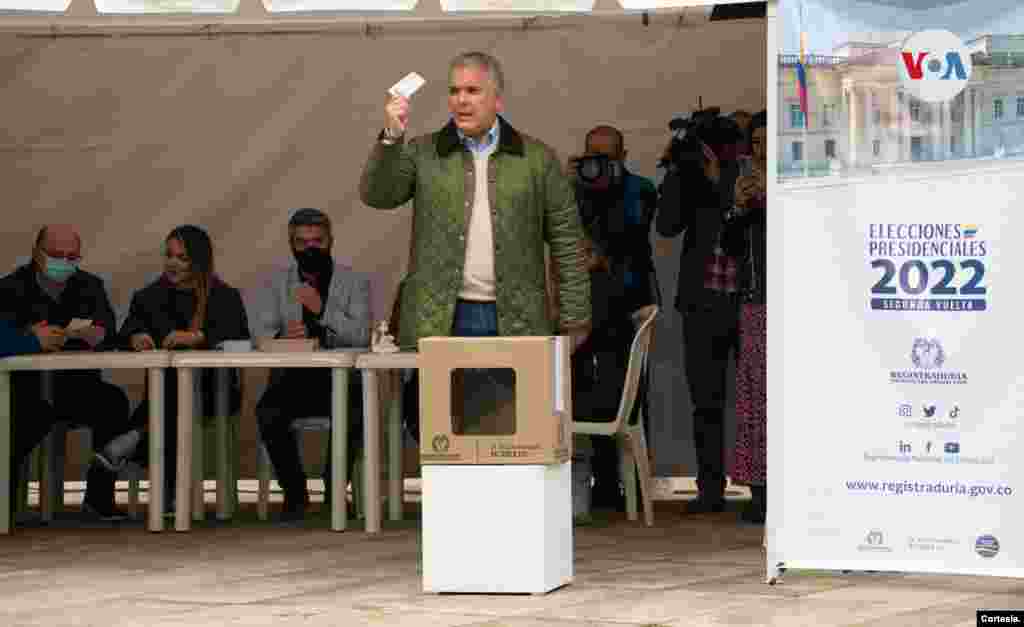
{"x":706,"y":125}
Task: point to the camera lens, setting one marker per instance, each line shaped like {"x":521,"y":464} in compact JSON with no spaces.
{"x":590,"y":169}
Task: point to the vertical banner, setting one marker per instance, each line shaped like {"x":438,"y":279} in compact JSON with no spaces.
{"x":896,"y":398}
{"x":901,"y":389}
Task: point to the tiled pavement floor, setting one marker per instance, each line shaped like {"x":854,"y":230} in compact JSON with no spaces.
{"x":692,"y":570}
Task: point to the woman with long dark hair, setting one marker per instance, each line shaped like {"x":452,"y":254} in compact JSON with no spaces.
{"x":747,"y":239}
{"x":188,"y":307}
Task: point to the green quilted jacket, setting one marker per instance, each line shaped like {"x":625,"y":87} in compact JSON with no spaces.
{"x":532,"y":203}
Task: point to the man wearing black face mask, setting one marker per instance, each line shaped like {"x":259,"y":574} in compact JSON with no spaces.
{"x":616,"y":209}
{"x":312,"y":298}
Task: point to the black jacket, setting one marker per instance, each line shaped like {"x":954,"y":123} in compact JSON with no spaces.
{"x":621,"y":230}
{"x":746,"y":238}
{"x":23,"y":302}
{"x":160,"y":309}
{"x":692,"y":205}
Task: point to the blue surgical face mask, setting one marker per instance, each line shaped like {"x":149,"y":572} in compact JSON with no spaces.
{"x":60,"y":270}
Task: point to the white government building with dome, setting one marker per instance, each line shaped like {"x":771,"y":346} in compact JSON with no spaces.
{"x":860,"y":116}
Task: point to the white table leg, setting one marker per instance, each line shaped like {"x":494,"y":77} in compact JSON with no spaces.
{"x":198,"y":454}
{"x":51,"y":481}
{"x":156,"y":449}
{"x":396,"y":484}
{"x":6,"y":436}
{"x":339,"y":448}
{"x":182,"y":497}
{"x":224,"y":452}
{"x":371,"y":450}
{"x":47,"y":482}
{"x":263,"y":478}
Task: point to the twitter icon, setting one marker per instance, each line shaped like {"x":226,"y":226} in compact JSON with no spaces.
{"x":929,"y":411}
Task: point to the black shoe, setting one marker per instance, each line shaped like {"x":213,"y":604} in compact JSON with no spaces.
{"x":605,"y":499}
{"x":703,"y":505}
{"x":757,"y":509}
{"x":170,"y":504}
{"x":29,"y":518}
{"x":106,"y":512}
{"x":114,"y":455}
{"x":99,"y":501}
{"x":753,"y":514}
{"x":294,"y":508}
{"x":292,"y":515}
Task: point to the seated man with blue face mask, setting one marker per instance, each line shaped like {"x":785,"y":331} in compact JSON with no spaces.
{"x":51,"y":291}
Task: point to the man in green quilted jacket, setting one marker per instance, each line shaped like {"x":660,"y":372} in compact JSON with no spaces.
{"x":486,"y":199}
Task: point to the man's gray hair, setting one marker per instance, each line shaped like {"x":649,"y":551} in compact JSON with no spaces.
{"x":484,"y":61}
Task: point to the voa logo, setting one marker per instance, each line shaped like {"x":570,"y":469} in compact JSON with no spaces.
{"x":934,"y":65}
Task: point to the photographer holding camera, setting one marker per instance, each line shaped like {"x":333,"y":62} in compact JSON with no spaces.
{"x":616,"y":209}
{"x":701,"y":171}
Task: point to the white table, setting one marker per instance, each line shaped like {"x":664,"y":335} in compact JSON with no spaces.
{"x":154,"y":362}
{"x":370,"y":363}
{"x":338,"y":360}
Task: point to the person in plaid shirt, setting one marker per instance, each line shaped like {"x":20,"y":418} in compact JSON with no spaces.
{"x":694,"y":201}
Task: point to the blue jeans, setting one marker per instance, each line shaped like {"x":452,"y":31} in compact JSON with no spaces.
{"x":483,"y":389}
{"x":474,"y":319}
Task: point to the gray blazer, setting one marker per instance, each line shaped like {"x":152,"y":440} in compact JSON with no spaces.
{"x":346,"y":313}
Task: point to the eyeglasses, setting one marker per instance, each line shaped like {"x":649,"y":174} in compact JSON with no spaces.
{"x":70,"y":258}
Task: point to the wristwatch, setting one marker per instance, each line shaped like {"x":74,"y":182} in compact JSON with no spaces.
{"x":389,"y":137}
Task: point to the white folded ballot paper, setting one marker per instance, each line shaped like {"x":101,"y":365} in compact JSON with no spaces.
{"x":408,"y":85}
{"x":78,"y":324}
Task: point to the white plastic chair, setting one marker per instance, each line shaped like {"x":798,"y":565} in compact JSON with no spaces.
{"x":630,"y":437}
{"x":50,"y":457}
{"x":226,"y":449}
{"x":264,"y":469}
{"x":321,"y":424}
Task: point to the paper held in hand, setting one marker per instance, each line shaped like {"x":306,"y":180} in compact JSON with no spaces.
{"x":78,"y":324}
{"x":408,"y":85}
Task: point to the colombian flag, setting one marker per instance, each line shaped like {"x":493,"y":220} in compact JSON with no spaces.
{"x":801,"y":77}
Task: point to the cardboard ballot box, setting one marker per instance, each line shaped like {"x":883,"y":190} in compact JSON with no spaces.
{"x":495,"y":400}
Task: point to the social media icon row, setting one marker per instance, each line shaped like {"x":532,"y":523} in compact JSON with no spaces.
{"x":949,"y":448}
{"x":928,"y":410}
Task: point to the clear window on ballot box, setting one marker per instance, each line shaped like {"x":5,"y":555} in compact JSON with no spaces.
{"x":483,"y":401}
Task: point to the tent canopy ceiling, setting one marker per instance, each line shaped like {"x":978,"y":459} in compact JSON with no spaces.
{"x":96,"y":14}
